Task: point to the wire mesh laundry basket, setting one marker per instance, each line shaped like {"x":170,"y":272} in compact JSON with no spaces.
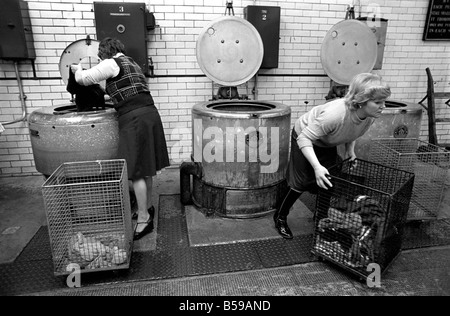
{"x":428,"y":162}
{"x":89,"y":217}
{"x":359,"y":221}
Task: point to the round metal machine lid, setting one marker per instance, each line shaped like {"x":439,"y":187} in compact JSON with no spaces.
{"x":84,"y":51}
{"x":349,"y":48}
{"x":230,"y":51}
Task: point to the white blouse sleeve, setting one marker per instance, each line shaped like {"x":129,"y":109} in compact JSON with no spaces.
{"x":107,"y":68}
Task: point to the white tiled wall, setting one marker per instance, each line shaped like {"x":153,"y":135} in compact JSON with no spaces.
{"x":299,"y":80}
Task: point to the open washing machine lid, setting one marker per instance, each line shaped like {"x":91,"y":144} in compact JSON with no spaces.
{"x":349,"y":48}
{"x":229,"y":50}
{"x":84,"y":51}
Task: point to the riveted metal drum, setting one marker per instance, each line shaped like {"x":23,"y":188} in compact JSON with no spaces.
{"x":240,"y":147}
{"x":60,"y":134}
{"x":399,"y":120}
{"x":243,"y":149}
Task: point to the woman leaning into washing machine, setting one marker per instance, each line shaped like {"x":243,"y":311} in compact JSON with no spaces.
{"x":142,"y":141}
{"x":317,"y":133}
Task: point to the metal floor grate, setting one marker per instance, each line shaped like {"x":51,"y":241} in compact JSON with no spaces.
{"x":416,"y":273}
{"x":32,"y":271}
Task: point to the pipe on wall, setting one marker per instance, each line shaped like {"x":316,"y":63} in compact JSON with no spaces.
{"x":22,"y":98}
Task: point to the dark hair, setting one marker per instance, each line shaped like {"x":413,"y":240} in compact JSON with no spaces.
{"x":109,"y":47}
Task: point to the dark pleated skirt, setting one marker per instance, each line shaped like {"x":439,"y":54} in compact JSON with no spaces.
{"x":142,"y":142}
{"x":300,"y":174}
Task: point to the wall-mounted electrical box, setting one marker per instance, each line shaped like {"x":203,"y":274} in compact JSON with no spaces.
{"x":266,"y":19}
{"x":128,"y":22}
{"x":16,"y":37}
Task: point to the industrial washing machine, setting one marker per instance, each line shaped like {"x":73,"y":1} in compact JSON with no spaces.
{"x":59,"y":133}
{"x":240,"y":147}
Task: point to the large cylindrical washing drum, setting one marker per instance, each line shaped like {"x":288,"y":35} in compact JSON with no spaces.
{"x":61,"y":133}
{"x":243,"y":148}
{"x":240,"y":147}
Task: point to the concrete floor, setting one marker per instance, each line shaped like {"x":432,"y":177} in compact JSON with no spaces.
{"x":22,"y":213}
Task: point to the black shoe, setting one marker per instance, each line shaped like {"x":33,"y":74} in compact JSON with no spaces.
{"x":283,"y":228}
{"x":147,"y":230}
{"x":151,"y":211}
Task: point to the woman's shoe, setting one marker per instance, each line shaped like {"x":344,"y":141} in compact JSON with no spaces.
{"x":283,"y":228}
{"x":147,"y":230}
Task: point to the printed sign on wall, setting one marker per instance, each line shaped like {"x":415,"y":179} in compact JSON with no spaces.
{"x":437,"y":24}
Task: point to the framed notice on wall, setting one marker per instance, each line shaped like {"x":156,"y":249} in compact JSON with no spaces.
{"x":437,"y":23}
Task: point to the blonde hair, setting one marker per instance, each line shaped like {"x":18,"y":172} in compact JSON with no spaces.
{"x":366,"y":87}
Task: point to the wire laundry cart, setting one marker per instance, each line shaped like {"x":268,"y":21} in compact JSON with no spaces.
{"x":89,"y":218}
{"x":360,"y":220}
{"x":428,"y":162}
